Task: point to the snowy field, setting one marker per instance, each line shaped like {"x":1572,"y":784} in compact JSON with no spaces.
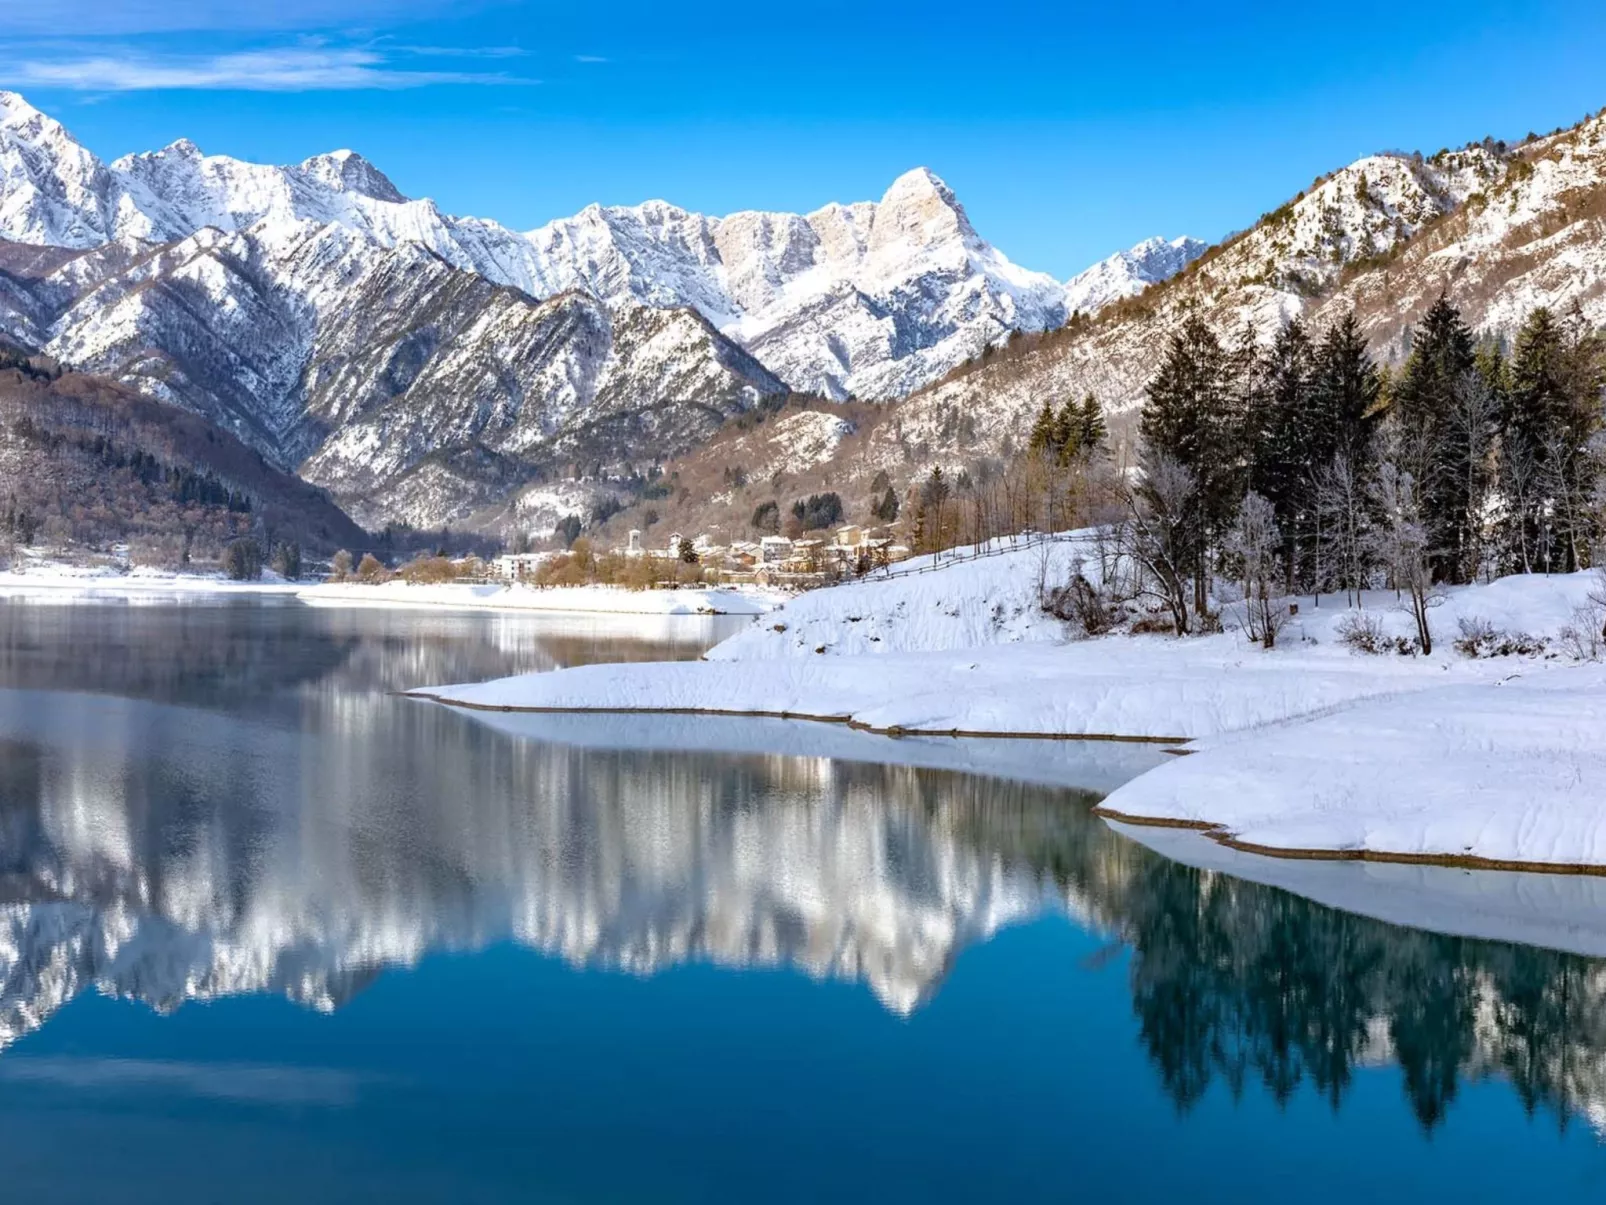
{"x":1308,"y":747}
{"x":608,"y":600}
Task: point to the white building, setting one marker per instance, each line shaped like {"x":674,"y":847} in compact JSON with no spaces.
{"x":772,"y":550}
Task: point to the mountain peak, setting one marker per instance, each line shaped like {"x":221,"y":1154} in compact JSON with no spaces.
{"x":14,"y":107}
{"x":347,"y":171}
{"x":919,"y":182}
{"x":184,"y":148}
{"x":1127,"y":273}
{"x":919,"y":207}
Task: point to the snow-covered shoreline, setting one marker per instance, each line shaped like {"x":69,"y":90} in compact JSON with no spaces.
{"x":65,"y":583}
{"x":1309,"y":749}
{"x":605,"y":600}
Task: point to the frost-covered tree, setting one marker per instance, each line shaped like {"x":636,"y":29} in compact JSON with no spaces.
{"x":1254,"y":542}
{"x":1159,"y":533}
{"x":1400,"y":541}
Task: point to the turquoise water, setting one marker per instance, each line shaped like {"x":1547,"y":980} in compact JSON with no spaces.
{"x":269,"y":932}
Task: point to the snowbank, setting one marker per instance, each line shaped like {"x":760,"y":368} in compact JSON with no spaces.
{"x":921,"y":607}
{"x":960,"y":650}
{"x":1506,"y":772}
{"x":1146,"y":687}
{"x":595,"y":599}
{"x":1308,"y":747}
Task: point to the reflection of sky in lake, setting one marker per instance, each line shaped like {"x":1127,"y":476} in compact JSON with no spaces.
{"x":251,"y":902}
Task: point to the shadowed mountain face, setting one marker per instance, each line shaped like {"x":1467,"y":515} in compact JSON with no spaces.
{"x":204,"y":802}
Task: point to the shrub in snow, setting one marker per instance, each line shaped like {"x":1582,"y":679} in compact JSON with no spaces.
{"x":1361,"y":632}
{"x":1583,"y":638}
{"x":1480,"y":638}
{"x":1092,"y":608}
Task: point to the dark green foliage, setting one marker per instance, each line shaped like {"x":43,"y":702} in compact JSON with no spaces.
{"x":242,"y":560}
{"x":767,"y":517}
{"x":1193,"y":418}
{"x":1345,"y":387}
{"x":1076,"y":429}
{"x":568,"y":530}
{"x":1550,"y":417}
{"x":604,"y":510}
{"x":818,"y":511}
{"x":17,"y":523}
{"x":1429,"y":400}
{"x":688,"y":553}
{"x":287,"y":559}
{"x":886,"y":506}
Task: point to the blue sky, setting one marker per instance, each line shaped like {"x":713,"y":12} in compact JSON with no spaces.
{"x":1068,"y":130}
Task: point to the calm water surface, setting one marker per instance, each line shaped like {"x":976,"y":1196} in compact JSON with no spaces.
{"x":270,"y":933}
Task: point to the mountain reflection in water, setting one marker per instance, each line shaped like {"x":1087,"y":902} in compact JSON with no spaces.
{"x":200,"y":802}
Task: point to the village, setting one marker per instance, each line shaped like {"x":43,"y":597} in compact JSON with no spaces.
{"x":772,"y":560}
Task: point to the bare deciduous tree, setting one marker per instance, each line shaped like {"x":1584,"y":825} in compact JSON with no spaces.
{"x":1160,"y":537}
{"x":1400,"y":543}
{"x":1253,"y":542}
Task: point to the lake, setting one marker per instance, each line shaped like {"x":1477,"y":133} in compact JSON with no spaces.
{"x":269,"y":932}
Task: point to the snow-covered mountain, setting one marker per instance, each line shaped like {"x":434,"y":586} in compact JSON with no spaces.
{"x":1350,"y":231}
{"x":333,"y":323}
{"x":420,"y":392}
{"x":1128,"y":273}
{"x":872,"y":299}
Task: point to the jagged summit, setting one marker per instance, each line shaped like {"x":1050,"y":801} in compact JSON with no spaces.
{"x":347,"y":171}
{"x":871,"y":298}
{"x":1128,"y":273}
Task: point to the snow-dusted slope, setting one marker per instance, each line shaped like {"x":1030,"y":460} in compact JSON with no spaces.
{"x":419,"y":391}
{"x":1534,"y":237}
{"x":1349,"y":227}
{"x":1128,"y":273}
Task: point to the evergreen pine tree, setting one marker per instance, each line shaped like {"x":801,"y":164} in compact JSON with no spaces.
{"x":1044,"y":431}
{"x":1430,"y":392}
{"x":1191,"y":416}
{"x":1345,"y":390}
{"x":1092,"y":429}
{"x":1068,"y":431}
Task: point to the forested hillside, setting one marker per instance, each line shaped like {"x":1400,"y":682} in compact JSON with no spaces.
{"x":89,"y":464}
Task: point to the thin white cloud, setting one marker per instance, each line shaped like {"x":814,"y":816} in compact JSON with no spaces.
{"x":125,"y":17}
{"x":589,"y":58}
{"x":302,"y":68}
{"x":460,"y":52}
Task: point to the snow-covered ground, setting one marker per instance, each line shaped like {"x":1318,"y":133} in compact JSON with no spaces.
{"x":1512,"y":770}
{"x":1315,"y":747}
{"x":595,"y":599}
{"x":55,"y":582}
